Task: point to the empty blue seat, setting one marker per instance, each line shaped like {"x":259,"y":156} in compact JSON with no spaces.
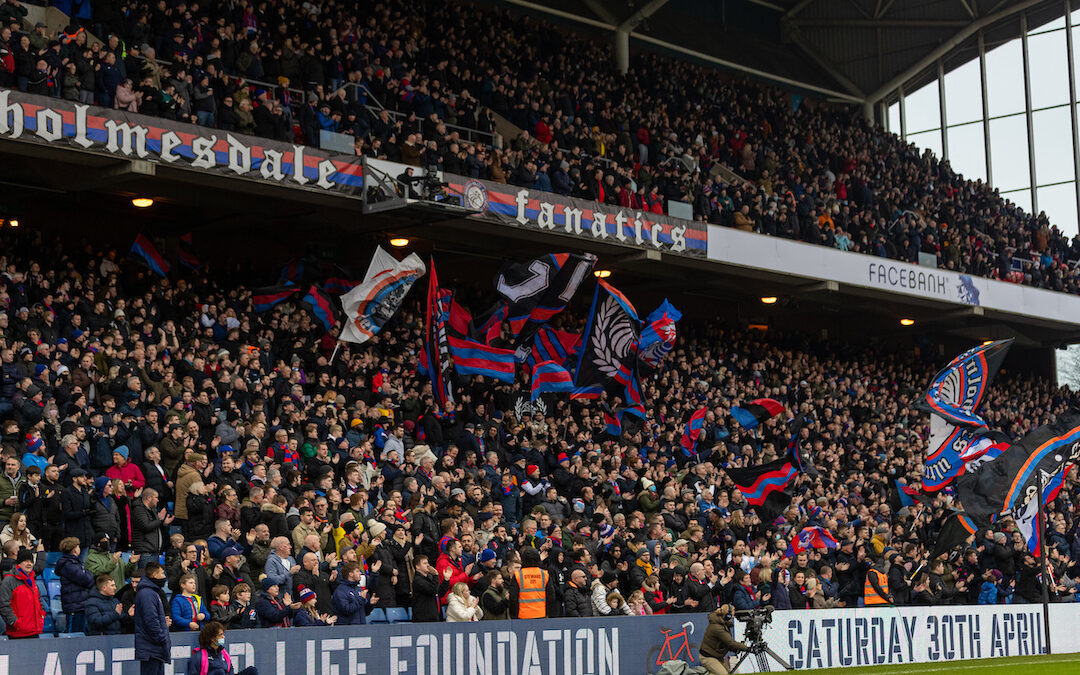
{"x":49,"y":626}
{"x":48,"y":574}
{"x":397,"y":615}
{"x":52,"y":557}
{"x":56,"y":607}
{"x":54,"y":588}
{"x":376,"y":615}
{"x":43,"y":590}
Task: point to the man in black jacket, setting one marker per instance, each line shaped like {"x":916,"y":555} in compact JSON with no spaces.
{"x":147,"y":522}
{"x":77,"y":508}
{"x":428,"y":588}
{"x":312,"y":577}
{"x":577,"y":600}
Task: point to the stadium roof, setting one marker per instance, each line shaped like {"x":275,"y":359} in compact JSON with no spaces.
{"x":848,"y":49}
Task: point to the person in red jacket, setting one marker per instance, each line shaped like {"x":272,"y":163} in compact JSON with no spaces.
{"x":20,"y":602}
{"x":450,"y":559}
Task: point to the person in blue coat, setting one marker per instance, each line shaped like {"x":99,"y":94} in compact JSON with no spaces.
{"x":210,"y":656}
{"x":187,"y":608}
{"x":153,"y":645}
{"x":350,"y":598}
{"x":103,"y":609}
{"x":75,"y":584}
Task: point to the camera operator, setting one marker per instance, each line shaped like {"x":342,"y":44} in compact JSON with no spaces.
{"x":718,"y":641}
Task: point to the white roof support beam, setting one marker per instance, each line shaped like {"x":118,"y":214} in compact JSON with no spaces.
{"x":944,"y":48}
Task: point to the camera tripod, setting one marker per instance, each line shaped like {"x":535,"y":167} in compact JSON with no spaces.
{"x":761,"y":653}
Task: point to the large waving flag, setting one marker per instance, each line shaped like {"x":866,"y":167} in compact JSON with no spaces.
{"x":265,"y":298}
{"x":434,"y":358}
{"x":607,"y":359}
{"x":694,"y":426}
{"x":810,"y":538}
{"x":1008,"y":485}
{"x":953,"y":400}
{"x":145,"y":250}
{"x":658,"y":335}
{"x":322,"y":306}
{"x":549,"y":377}
{"x":958,"y":391}
{"x":370,"y":305}
{"x":537,"y":291}
{"x":764,"y":486}
{"x":755,"y":412}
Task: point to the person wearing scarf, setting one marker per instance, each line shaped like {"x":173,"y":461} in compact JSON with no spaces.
{"x":20,"y":604}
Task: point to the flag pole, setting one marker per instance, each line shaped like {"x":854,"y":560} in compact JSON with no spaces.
{"x":337,"y":346}
{"x":1040,"y":524}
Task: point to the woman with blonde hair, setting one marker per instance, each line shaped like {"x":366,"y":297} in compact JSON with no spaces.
{"x":462,"y":606}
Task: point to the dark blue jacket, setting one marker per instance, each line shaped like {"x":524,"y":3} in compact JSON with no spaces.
{"x":75,"y":583}
{"x":304,"y":618}
{"x":271,"y":612}
{"x":101,"y":616}
{"x":741,"y":598}
{"x":78,"y":510}
{"x":350,"y":605}
{"x":152,"y":640}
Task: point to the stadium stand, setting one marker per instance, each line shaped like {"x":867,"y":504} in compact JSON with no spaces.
{"x":179,"y":420}
{"x":282,"y":464}
{"x":423,"y":84}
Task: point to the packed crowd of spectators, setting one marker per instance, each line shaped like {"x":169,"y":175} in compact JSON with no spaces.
{"x":806,"y":170}
{"x":151,"y":423}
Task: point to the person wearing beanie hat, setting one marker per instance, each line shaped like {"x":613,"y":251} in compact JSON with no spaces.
{"x":307,"y":615}
{"x":272,"y":609}
{"x":20,"y":605}
{"x":125,"y":471}
{"x":608,"y":582}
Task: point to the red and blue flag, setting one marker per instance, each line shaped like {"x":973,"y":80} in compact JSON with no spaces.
{"x":145,"y":250}
{"x":658,"y":335}
{"x":186,"y":253}
{"x":549,"y":377}
{"x":692,"y":431}
{"x":476,"y":358}
{"x":265,"y":298}
{"x":321,"y":306}
{"x":811,"y":538}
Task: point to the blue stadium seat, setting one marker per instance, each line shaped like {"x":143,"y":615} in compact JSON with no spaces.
{"x":376,"y":615}
{"x":397,"y":615}
{"x":56,"y":606}
{"x":43,"y":590}
{"x":52,"y":557}
{"x":54,"y":589}
{"x":49,"y":626}
{"x":49,"y":574}
{"x":410,"y":613}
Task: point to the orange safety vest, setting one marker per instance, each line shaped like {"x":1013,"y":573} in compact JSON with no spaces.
{"x":870,"y":596}
{"x":532,"y":599}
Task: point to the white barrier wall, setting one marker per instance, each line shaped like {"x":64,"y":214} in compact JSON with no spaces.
{"x":897,"y":635}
